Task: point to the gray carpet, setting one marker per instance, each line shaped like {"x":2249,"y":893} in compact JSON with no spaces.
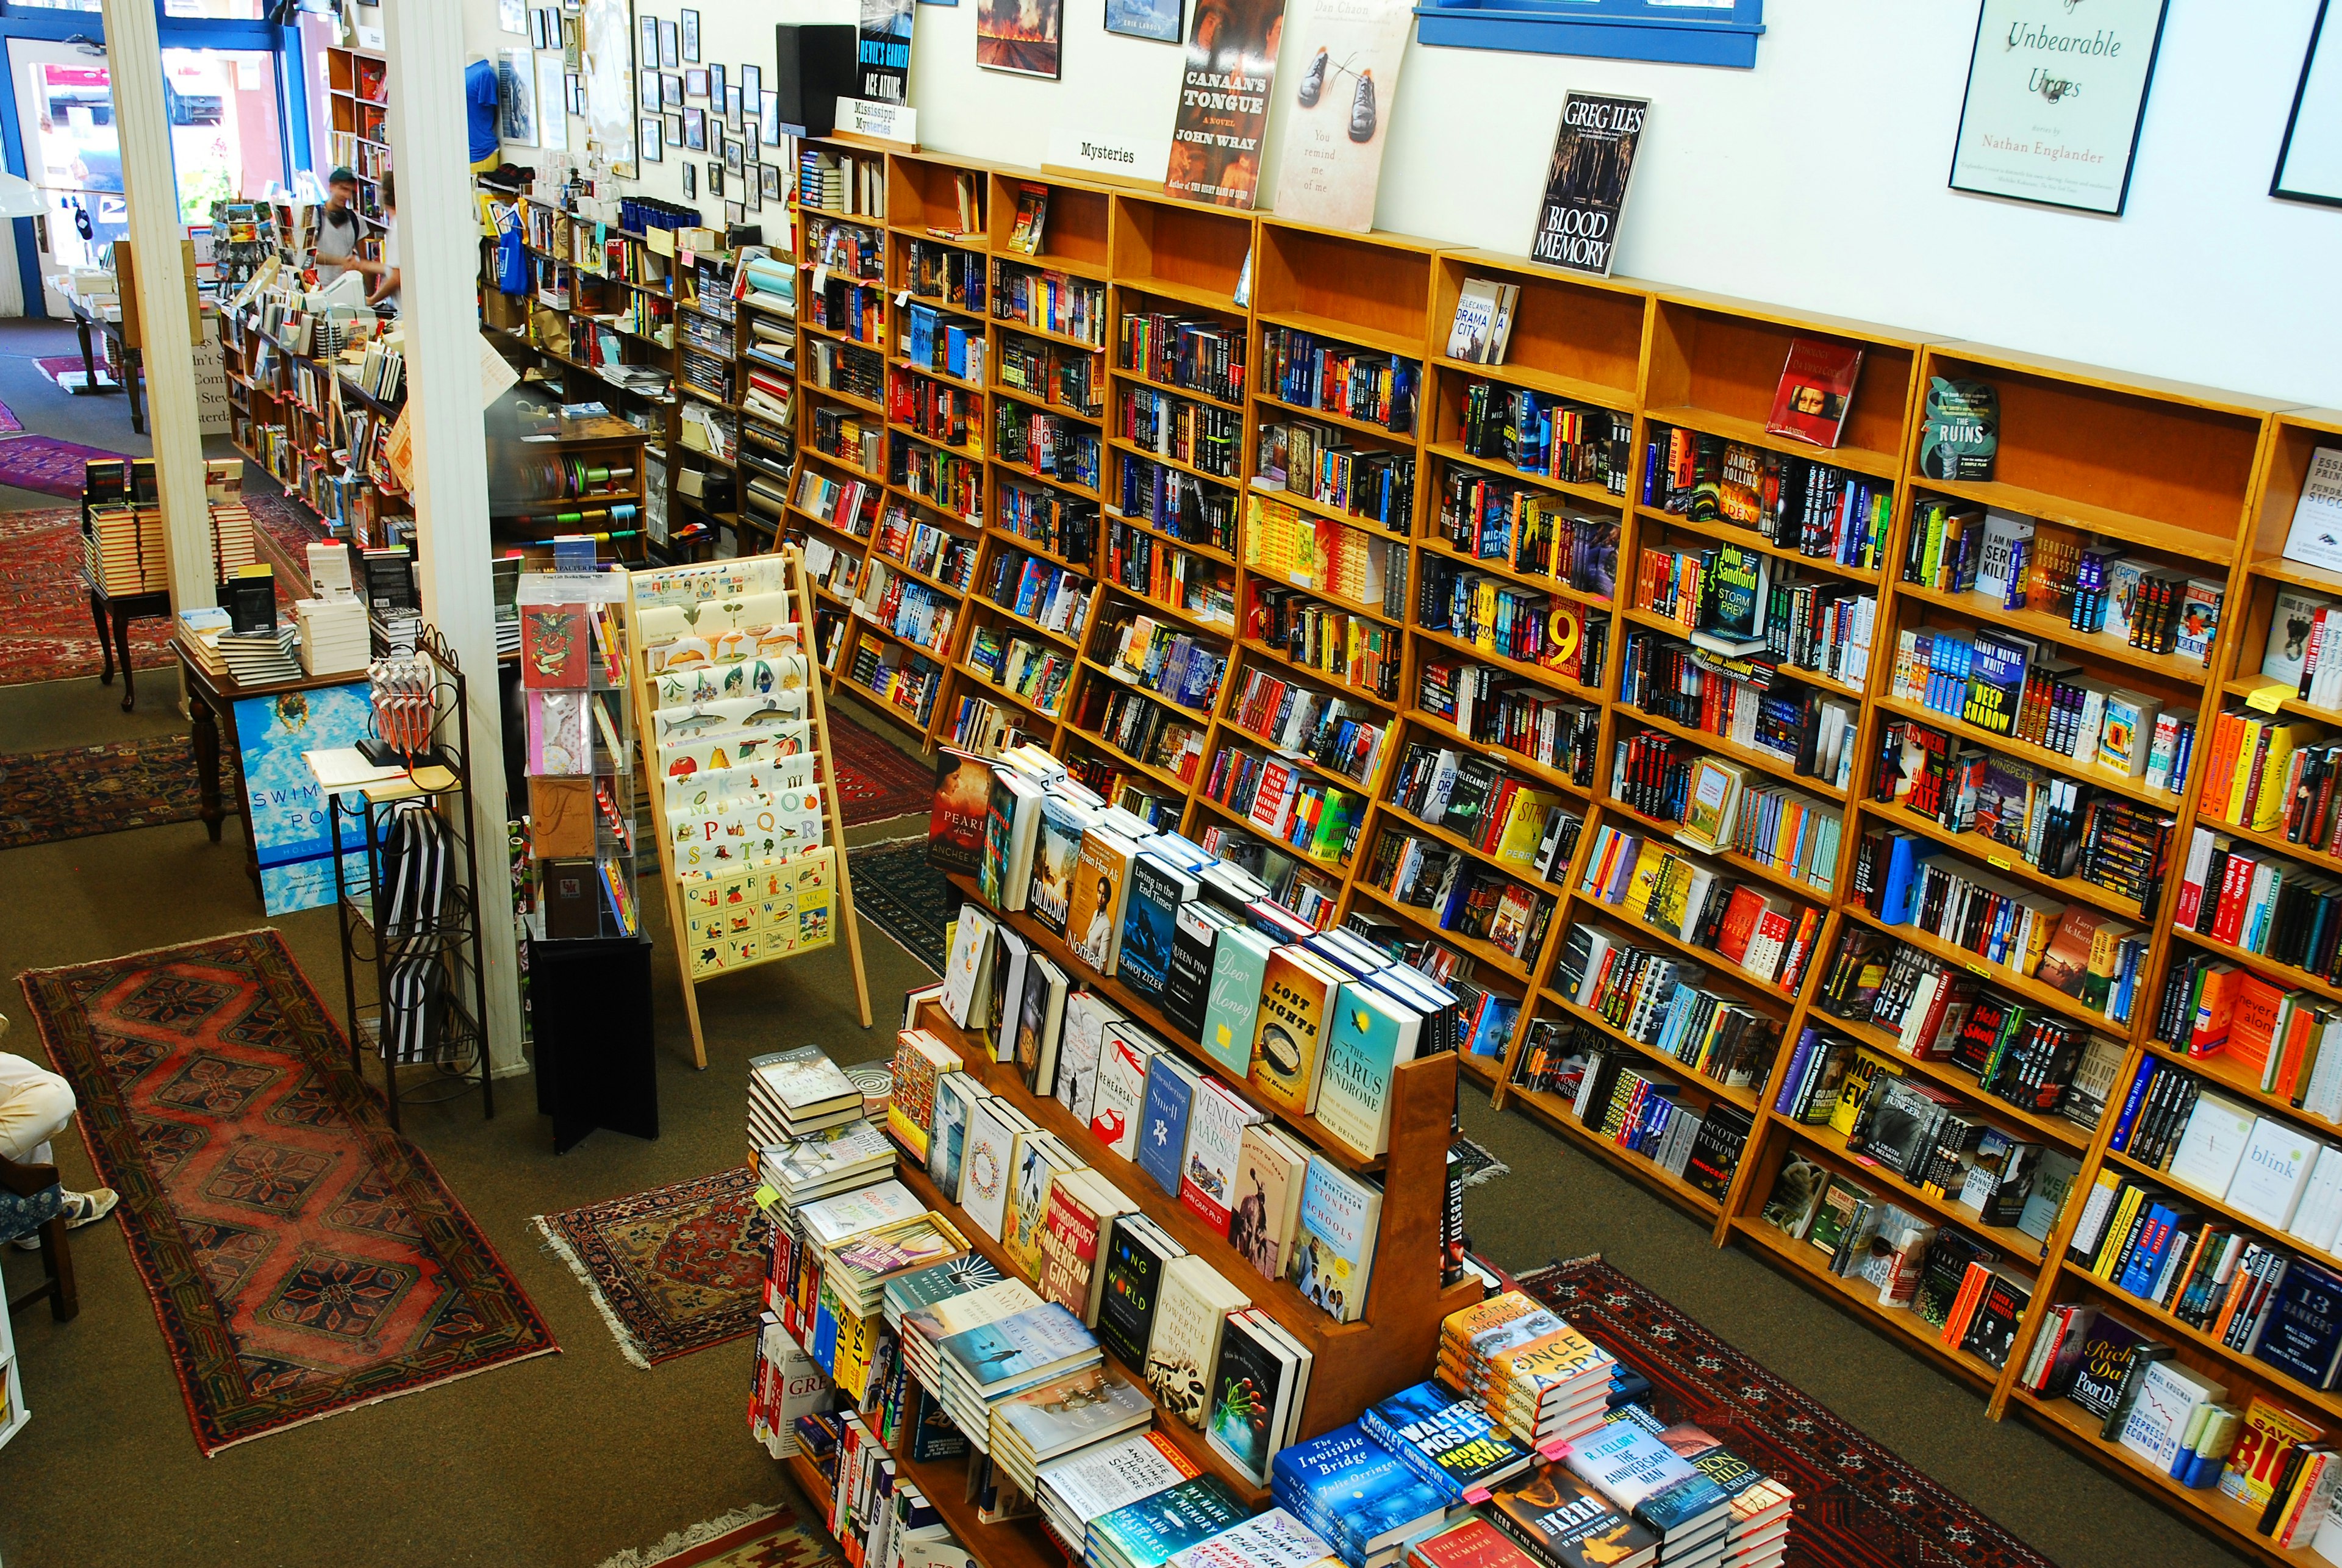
{"x":100,"y":420}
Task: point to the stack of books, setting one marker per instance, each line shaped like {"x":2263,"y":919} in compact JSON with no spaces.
{"x":793,"y":1092}
{"x":1272,"y":1540}
{"x":123,"y":550}
{"x":1446,"y":1440}
{"x":1757,"y":1535}
{"x":835,"y":1160}
{"x":334,"y":638}
{"x":1150,"y":1533}
{"x":983,"y":1365}
{"x":231,"y":538}
{"x":1529,"y":1370}
{"x":1063,"y":1416}
{"x":1556,"y":1518}
{"x":855,"y":1271}
{"x":199,"y":633}
{"x":261,"y":658}
{"x":926,"y":1326}
{"x":1628,"y":1463}
{"x":1092,"y":1482}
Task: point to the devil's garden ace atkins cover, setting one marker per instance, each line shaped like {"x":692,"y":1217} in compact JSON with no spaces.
{"x":1586,"y":186}
{"x":1224,"y":88}
{"x":1348,"y":51}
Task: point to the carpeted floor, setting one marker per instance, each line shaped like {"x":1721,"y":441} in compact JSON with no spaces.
{"x":304,"y":1259}
{"x":46,"y":463}
{"x":78,"y":791}
{"x":876,"y":780}
{"x":46,"y":409}
{"x":1857,"y":1505}
{"x":673,"y":1270}
{"x":46,"y":631}
{"x":768,"y":1539}
{"x":896,"y":890}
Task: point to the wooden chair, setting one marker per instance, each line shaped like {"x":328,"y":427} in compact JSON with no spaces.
{"x":57,"y":1255}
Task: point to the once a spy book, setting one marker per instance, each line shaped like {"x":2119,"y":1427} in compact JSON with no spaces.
{"x":1586,"y":183}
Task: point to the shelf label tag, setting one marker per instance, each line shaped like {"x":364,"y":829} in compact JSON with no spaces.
{"x":2268,"y":699}
{"x":1978,"y":969}
{"x":1998,"y":862}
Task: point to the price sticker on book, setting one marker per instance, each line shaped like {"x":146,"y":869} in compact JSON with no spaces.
{"x":2268,"y":699}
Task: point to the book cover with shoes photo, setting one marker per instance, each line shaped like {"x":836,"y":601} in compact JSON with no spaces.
{"x":1349,"y":53}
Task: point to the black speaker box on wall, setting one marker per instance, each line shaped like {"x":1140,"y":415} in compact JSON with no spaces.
{"x":817,"y":68}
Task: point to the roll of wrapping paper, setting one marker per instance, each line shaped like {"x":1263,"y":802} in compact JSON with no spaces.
{"x":619,"y":513}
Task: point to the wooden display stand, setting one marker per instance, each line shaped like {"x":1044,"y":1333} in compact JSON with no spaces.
{"x":643,"y":682}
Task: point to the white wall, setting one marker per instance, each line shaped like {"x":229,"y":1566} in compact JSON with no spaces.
{"x":1815,"y":180}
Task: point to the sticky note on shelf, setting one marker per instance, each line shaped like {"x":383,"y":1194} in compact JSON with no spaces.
{"x":2269,"y":698}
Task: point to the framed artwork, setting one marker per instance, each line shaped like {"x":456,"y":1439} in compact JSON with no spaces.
{"x":768,"y":180}
{"x":2309,"y":160}
{"x":650,"y":91}
{"x":674,"y":129}
{"x":517,"y":96}
{"x":670,"y":90}
{"x":652,"y":144}
{"x":573,"y":44}
{"x":510,"y":18}
{"x":1156,"y":19}
{"x":537,"y":28}
{"x":573,"y":7}
{"x":647,"y":49}
{"x":691,"y":37}
{"x":695,"y":129}
{"x":735,"y":212}
{"x":690,"y":181}
{"x":734,"y":155}
{"x":716,"y":84}
{"x":695,"y":82}
{"x":751,"y":87}
{"x":769,"y":103}
{"x":734,"y":106}
{"x":670,"y":47}
{"x":555,"y":130}
{"x":752,"y":191}
{"x":577,"y":94}
{"x":715,"y":179}
{"x":1010,"y":44}
{"x":2054,"y":102}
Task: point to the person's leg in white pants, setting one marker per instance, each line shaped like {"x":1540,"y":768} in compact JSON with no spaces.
{"x":34,"y":1106}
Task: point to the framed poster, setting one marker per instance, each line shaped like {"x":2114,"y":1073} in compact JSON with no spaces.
{"x":752,"y":86}
{"x":695,"y":82}
{"x":670,"y":47}
{"x":1156,"y":19}
{"x":2054,"y":98}
{"x":695,"y":129}
{"x":607,"y":98}
{"x":516,"y":94}
{"x":650,"y":91}
{"x":512,"y":15}
{"x":1027,"y":39}
{"x":674,"y":129}
{"x":670,"y":90}
{"x":550,"y":108}
{"x":691,"y":37}
{"x":736,"y":156}
{"x":716,"y":83}
{"x":649,"y":48}
{"x":653,"y":149}
{"x":690,"y":181}
{"x":2309,"y":160}
{"x":715,"y":178}
{"x":768,"y":181}
{"x":752,"y":191}
{"x":291,"y":836}
{"x":734,"y":106}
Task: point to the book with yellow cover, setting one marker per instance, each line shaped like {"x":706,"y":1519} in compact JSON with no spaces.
{"x":1289,"y":1035}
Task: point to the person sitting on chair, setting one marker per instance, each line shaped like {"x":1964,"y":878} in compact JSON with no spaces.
{"x":34,"y":1106}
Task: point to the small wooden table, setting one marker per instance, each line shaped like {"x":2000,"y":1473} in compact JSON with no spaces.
{"x":112,"y":614}
{"x":132,"y":371}
{"x":211,"y":705}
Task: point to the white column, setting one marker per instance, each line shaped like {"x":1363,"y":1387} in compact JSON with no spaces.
{"x":439,"y":257}
{"x":133,"y":57}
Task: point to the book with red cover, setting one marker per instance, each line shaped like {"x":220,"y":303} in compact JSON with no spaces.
{"x":553,"y":646}
{"x":955,"y":819}
{"x":1816,"y":392}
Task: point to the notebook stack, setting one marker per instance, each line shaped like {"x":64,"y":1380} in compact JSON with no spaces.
{"x":1063,"y":1416}
{"x":1757,"y":1535}
{"x":793,"y":1092}
{"x":1150,"y":1532}
{"x":983,"y":1365}
{"x":1091,"y":1483}
{"x":1361,"y":1497}
{"x":334,"y":638}
{"x":835,"y":1160}
{"x":1631,"y":1467}
{"x":261,"y":658}
{"x":1530,"y":1371}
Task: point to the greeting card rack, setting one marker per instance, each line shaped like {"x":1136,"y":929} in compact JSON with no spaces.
{"x":744,"y":917}
{"x":422,"y":960}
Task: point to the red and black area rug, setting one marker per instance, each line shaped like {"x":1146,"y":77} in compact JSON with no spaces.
{"x":875,"y":780}
{"x":78,"y":791}
{"x":304,"y":1258}
{"x":673,"y":1270}
{"x":1859,"y":1505}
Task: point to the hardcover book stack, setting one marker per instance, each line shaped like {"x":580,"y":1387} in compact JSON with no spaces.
{"x":1062,"y":1416}
{"x":793,"y":1092}
{"x":1093,"y":1482}
{"x":1539,"y":1378}
{"x":1151,"y":1532}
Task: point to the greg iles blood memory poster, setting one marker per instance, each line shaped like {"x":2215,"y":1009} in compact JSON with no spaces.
{"x":1224,"y":87}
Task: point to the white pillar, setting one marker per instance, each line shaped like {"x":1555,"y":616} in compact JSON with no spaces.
{"x":438,"y":263}
{"x":134,"y":60}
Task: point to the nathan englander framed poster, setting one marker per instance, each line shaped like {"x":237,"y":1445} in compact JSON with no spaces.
{"x":2054,"y":98}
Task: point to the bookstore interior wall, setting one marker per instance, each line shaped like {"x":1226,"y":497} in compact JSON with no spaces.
{"x":1845,"y":129}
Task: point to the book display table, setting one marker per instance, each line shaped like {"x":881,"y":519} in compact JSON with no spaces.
{"x":111,"y":614}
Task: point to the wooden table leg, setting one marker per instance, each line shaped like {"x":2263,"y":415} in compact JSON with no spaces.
{"x":104,"y":642}
{"x":89,"y":362}
{"x":207,"y":764}
{"x":134,"y":371}
{"x":122,"y":646}
{"x":243,"y":812}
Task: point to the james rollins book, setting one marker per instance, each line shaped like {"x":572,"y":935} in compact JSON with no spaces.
{"x":1585,"y":184}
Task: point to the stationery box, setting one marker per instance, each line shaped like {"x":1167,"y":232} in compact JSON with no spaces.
{"x":561,"y":817}
{"x":569,"y":894}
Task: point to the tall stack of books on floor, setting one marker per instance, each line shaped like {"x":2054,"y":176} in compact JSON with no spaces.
{"x":1035,"y":1343}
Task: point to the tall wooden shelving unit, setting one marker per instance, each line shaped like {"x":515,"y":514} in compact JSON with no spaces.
{"x":357,"y":94}
{"x":2188,"y":476}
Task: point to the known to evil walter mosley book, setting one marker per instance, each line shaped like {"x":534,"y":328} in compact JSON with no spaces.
{"x":1585,"y":184}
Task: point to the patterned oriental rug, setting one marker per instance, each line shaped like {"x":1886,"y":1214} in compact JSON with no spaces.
{"x":1859,"y":1505}
{"x":302,"y":1258}
{"x":45,"y":633}
{"x":673,"y":1270}
{"x":81,"y":791}
{"x":744,"y":1538}
{"x":874,"y":781}
{"x":45,"y":464}
{"x":895,"y":889}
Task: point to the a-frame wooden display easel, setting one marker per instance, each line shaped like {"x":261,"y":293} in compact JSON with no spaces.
{"x":691,"y":954}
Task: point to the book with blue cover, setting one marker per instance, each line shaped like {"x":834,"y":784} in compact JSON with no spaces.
{"x":1158,"y":889}
{"x":1627,"y":1462}
{"x":1446,"y":1438}
{"x":1163,"y":1120}
{"x":1035,"y":1342}
{"x":1330,"y":1472}
{"x":1146,"y":1533}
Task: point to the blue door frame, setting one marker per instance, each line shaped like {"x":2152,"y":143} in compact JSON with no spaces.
{"x":177,"y":33}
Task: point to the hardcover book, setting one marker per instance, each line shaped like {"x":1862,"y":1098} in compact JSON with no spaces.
{"x":1289,"y":1045}
{"x":1136,"y":1258}
{"x":1146,"y":1533}
{"x":1057,"y":854}
{"x":984,"y":1178}
{"x":1270,"y":1173}
{"x":1334,"y":1248}
{"x":956,"y":1096}
{"x":1216,"y":1134}
{"x":1101,"y":888}
{"x":1252,"y":1392}
{"x":1081,"y":1042}
{"x":1448,"y":1441}
{"x":1121,"y":1094}
{"x":1189,"y":1316}
{"x":1239,"y":973}
{"x":1171,"y":1087}
{"x":1816,"y":392}
{"x":1370,"y":1036}
{"x":1158,"y":889}
{"x":1188,"y":988}
{"x":1568,"y":1522}
{"x":956,"y":819}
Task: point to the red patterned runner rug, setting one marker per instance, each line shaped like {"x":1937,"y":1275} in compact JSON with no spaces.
{"x":673,"y":1270}
{"x":1859,"y":1505}
{"x":304,"y":1259}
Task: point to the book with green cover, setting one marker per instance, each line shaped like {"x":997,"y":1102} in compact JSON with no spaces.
{"x":1371,"y":1034}
{"x":1239,"y":966}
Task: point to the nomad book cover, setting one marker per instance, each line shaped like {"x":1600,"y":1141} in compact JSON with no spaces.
{"x":1586,"y":183}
